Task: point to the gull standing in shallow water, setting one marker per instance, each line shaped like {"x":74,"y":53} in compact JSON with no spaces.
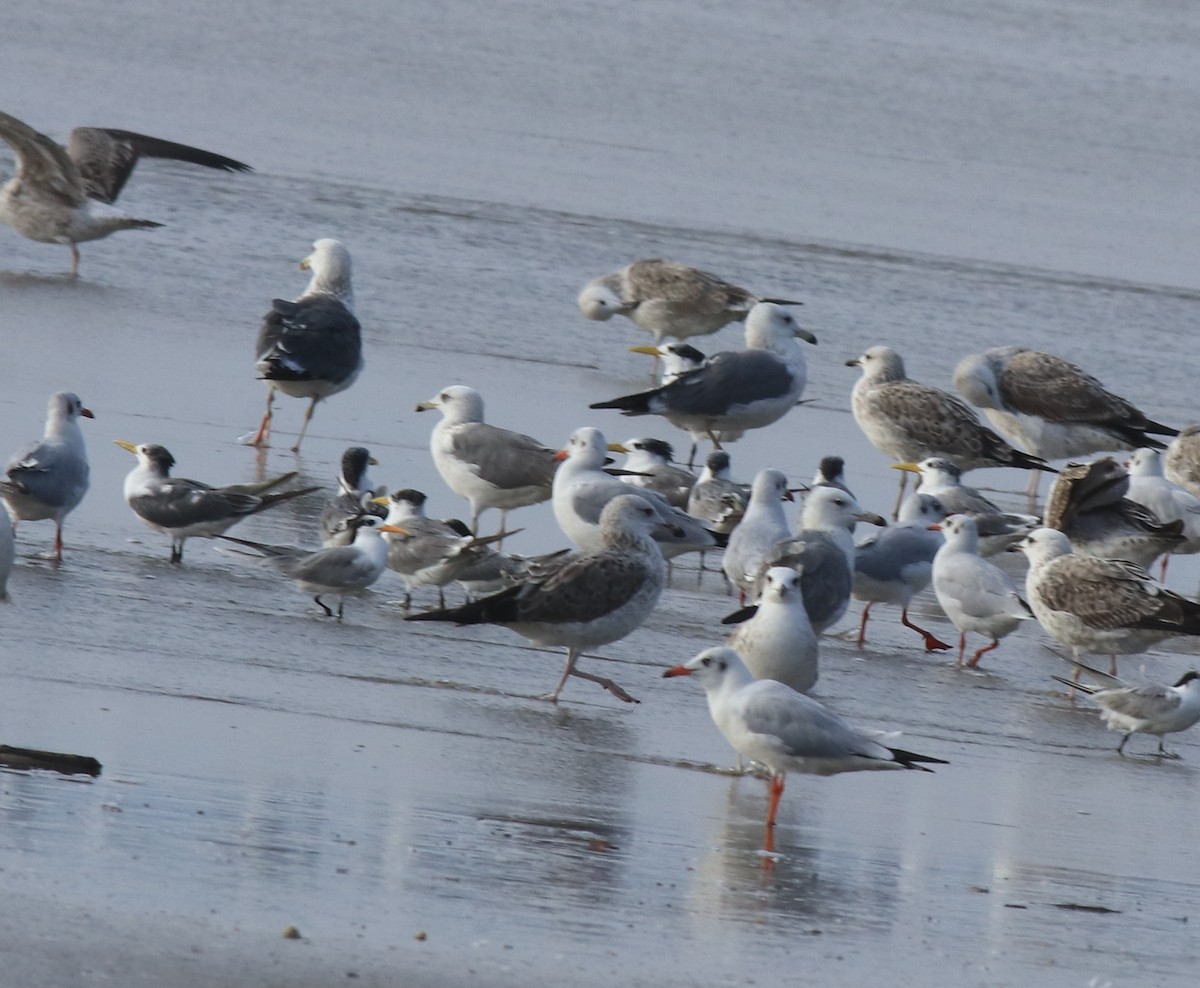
{"x":1147,"y":709}
{"x":489,"y":466}
{"x":786,"y":731}
{"x":48,"y":478}
{"x":587,"y":599}
{"x":312,"y":347}
{"x":734,"y":389}
{"x":61,"y":195}
{"x":668,"y":299}
{"x":182,"y":509}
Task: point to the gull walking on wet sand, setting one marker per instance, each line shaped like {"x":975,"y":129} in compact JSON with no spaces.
{"x":48,"y":479}
{"x":587,"y":599}
{"x":786,"y":731}
{"x":182,"y":509}
{"x":668,"y":299}
{"x":312,"y":347}
{"x":489,"y":466}
{"x":62,"y":195}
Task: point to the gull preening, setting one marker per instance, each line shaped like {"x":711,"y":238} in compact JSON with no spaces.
{"x":312,"y":347}
{"x":355,"y":496}
{"x":182,"y":509}
{"x":489,"y":466}
{"x":786,"y":731}
{"x":48,"y":478}
{"x":734,"y":389}
{"x":62,"y":195}
{"x":588,"y":598}
{"x":668,"y":299}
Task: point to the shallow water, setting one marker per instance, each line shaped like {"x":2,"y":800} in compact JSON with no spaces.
{"x":903,"y":172}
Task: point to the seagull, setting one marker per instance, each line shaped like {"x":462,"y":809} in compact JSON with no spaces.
{"x":1147,"y":709}
{"x":975,"y":595}
{"x":582,"y":488}
{"x":909,"y":421}
{"x":770,"y":723}
{"x":1181,"y":463}
{"x":774,"y":637}
{"x":354,"y":497}
{"x":649,"y":465}
{"x":312,"y":347}
{"x":1047,"y":406}
{"x":6,"y":551}
{"x":587,"y":599}
{"x":1099,"y":606}
{"x":1149,"y":487}
{"x":734,"y":389}
{"x":823,"y":550}
{"x":341,"y":570}
{"x":896,"y":564}
{"x":997,"y":529}
{"x":182,"y":509}
{"x":61,"y":195}
{"x":425,"y":550}
{"x":762,"y":528}
{"x":48,"y":479}
{"x":668,"y":299}
{"x":489,"y":466}
{"x":1087,"y":502}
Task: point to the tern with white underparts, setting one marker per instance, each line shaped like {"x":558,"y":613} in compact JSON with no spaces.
{"x":668,"y":299}
{"x":1147,"y":708}
{"x":734,"y":389}
{"x":182,"y":509}
{"x":312,"y":347}
{"x":786,"y":731}
{"x":585,"y":599}
{"x":356,"y":491}
{"x":650,"y":465}
{"x":48,"y":478}
{"x":64,"y":195}
{"x":491,"y":467}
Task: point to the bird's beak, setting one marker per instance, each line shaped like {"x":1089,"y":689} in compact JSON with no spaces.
{"x":561,"y":455}
{"x":86,"y":413}
{"x":935,"y":527}
{"x":908,"y":467}
{"x":395,"y":529}
{"x":793,"y":491}
{"x":853,"y":362}
{"x":617,"y":448}
{"x":871,"y":518}
{"x":789,"y":495}
{"x":306,"y":264}
{"x":426,"y":406}
{"x":383,"y":501}
{"x":677,"y":671}
{"x":650,"y":351}
{"x":372,"y":461}
{"x":128,"y":447}
{"x":804,"y":334}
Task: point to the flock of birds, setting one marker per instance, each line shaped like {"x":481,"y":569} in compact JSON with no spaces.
{"x":1087,"y":583}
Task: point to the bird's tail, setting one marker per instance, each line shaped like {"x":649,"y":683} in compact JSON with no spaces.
{"x":263,"y":485}
{"x":1087,"y":688}
{"x":912,"y":760}
{"x":638,"y":404}
{"x":270,"y":500}
{"x":499,"y":608}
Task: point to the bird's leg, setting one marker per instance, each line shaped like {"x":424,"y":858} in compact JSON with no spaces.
{"x":74,"y":261}
{"x":312,"y":406}
{"x":572,"y":655}
{"x":900,"y":494}
{"x":974,"y":661}
{"x":1162,"y":573}
{"x":177,"y":552}
{"x":441,"y":598}
{"x":932,"y":644}
{"x":608,"y":684}
{"x":341,"y":606}
{"x":692,"y":456}
{"x":321,"y":604}
{"x":408,"y":600}
{"x":262,"y":437}
{"x":862,"y":627}
{"x":58,"y":542}
{"x":715,"y":441}
{"x":1112,"y":665}
{"x":962,"y":647}
{"x":772,"y":809}
{"x":1035,"y":478}
{"x":1163,"y":753}
{"x":1121,"y":746}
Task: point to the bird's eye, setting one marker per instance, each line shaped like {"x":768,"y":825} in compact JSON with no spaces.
{"x":706,"y":662}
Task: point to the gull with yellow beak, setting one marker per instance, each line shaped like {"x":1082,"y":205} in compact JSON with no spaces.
{"x":182,"y":509}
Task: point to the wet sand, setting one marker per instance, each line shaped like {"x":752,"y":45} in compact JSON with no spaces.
{"x":395,"y":792}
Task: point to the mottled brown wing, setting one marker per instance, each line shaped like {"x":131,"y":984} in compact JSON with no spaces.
{"x":1042,"y":384}
{"x":587,"y":587}
{"x":1104,"y":594}
{"x":683,"y":285}
{"x":42,"y":161}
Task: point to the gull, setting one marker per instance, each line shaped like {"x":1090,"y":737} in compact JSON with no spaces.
{"x":734,"y":389}
{"x":1099,"y":606}
{"x":650,"y":466}
{"x":668,"y":299}
{"x":1087,"y":502}
{"x":775,"y":637}
{"x":997,"y":529}
{"x":588,"y":598}
{"x":763,"y":526}
{"x":6,"y":551}
{"x":896,"y":564}
{"x":1149,"y":487}
{"x":975,"y":595}
{"x":1181,"y":464}
{"x":489,"y":466}
{"x":340,"y":570}
{"x":1145,"y":709}
{"x":1047,"y":406}
{"x":312,"y":347}
{"x":182,"y":509}
{"x":770,"y":723}
{"x":48,"y":479}
{"x":582,"y":488}
{"x":62,"y":195}
{"x":354,"y":497}
{"x":909,"y":421}
{"x":823,"y":550}
{"x":425,"y":550}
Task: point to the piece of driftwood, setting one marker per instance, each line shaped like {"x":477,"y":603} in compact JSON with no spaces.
{"x":53,"y":761}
